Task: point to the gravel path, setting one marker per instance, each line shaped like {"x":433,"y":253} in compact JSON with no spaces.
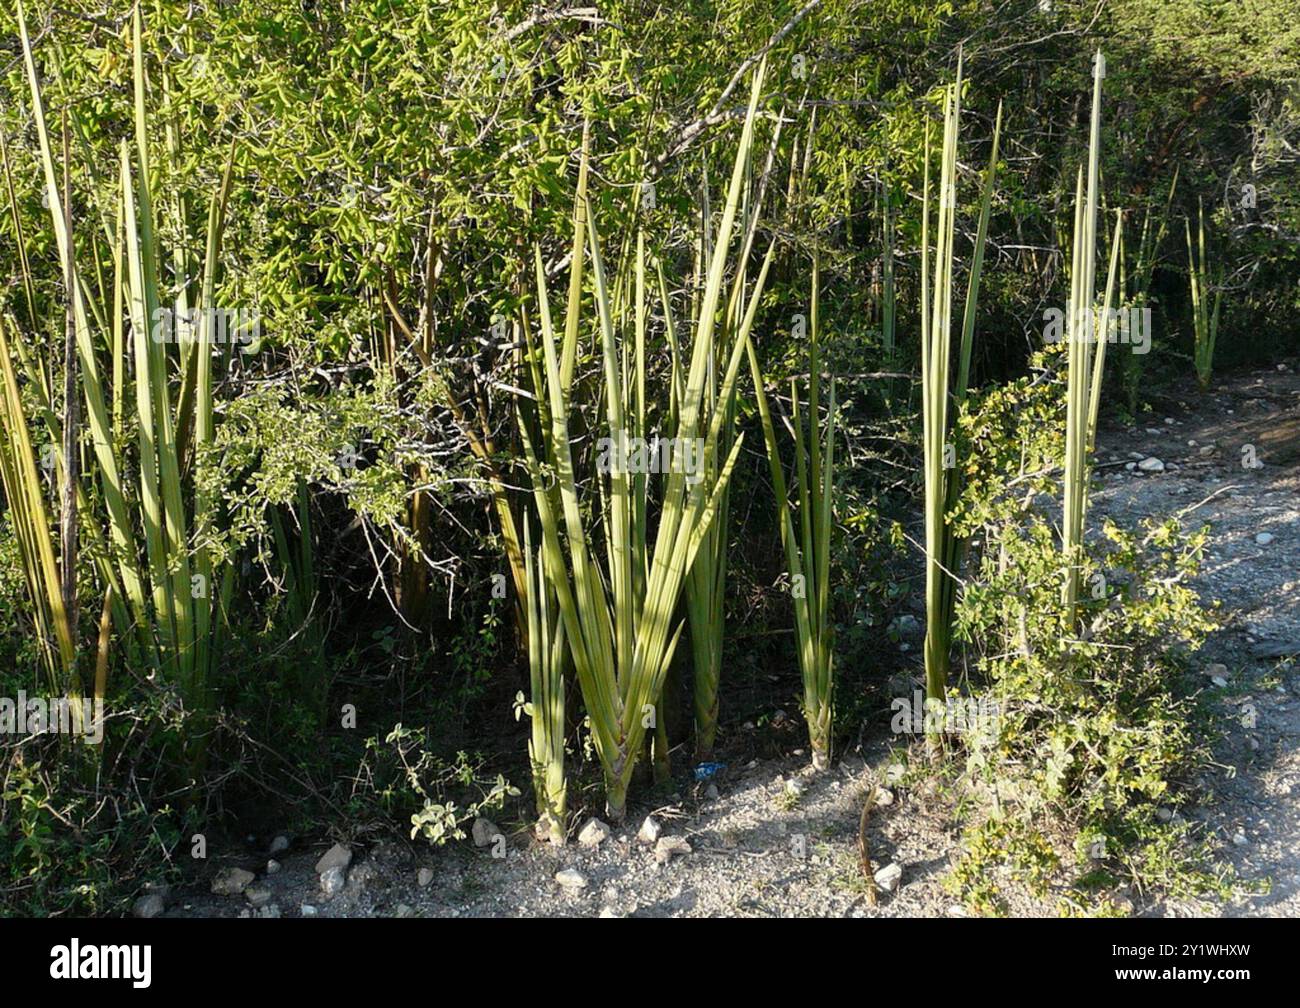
{"x":1241,"y":450}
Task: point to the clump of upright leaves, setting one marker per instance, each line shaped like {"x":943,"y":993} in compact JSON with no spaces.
{"x":1203,"y":280}
{"x":619,"y":615}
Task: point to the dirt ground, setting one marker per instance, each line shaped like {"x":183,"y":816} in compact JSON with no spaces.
{"x":766,"y":840}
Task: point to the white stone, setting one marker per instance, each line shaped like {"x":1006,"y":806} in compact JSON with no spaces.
{"x":889,"y":877}
{"x":593,"y":834}
{"x":649,"y":831}
{"x":484,"y":832}
{"x":339,"y":856}
{"x":331,"y":881}
{"x":571,"y":878}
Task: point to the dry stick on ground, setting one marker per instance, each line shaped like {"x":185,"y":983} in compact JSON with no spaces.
{"x":863,"y":853}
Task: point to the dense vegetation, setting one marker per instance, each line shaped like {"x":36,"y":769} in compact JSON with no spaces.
{"x":336,"y":337}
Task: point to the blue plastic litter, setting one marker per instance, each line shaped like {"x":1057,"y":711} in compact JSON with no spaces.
{"x":706,"y":770}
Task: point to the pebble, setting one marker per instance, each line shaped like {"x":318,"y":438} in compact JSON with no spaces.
{"x":594,"y":833}
{"x":231,"y":881}
{"x":308,"y":910}
{"x":670,"y":846}
{"x":148,"y":905}
{"x":424,"y":877}
{"x":339,"y":856}
{"x":889,"y":877}
{"x":278,"y":845}
{"x":1263,"y":538}
{"x":257,"y":896}
{"x":1151,"y":464}
{"x":711,"y":792}
{"x":649,"y":831}
{"x":571,"y":878}
{"x":272,"y":866}
{"x":484,"y":832}
{"x":331,"y":882}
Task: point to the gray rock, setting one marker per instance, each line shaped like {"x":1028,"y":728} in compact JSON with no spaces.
{"x":649,"y":831}
{"x":231,"y":881}
{"x":1264,"y":538}
{"x":272,"y":866}
{"x":279,"y":845}
{"x":571,"y":878}
{"x":1276,"y":649}
{"x":404,"y":911}
{"x":1151,"y":464}
{"x":268,"y":912}
{"x":669,"y":847}
{"x":711,"y":792}
{"x":307,"y":910}
{"x":424,"y":877}
{"x":484,"y":832}
{"x":593,"y":834}
{"x":148,"y":905}
{"x":906,"y":626}
{"x":257,"y":896}
{"x":331,"y":882}
{"x":889,"y":877}
{"x":339,"y":856}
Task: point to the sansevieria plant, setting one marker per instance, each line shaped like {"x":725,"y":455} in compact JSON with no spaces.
{"x":1087,"y":326}
{"x":160,"y":596}
{"x":806,"y":533}
{"x":617,"y":582}
{"x":940,"y":400}
{"x":546,"y":662}
{"x":1205,"y":313}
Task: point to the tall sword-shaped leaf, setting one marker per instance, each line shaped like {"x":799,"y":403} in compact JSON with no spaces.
{"x":1081,"y":331}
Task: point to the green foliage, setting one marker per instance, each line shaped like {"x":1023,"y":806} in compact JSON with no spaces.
{"x":1095,"y":726}
{"x":401,"y":777}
